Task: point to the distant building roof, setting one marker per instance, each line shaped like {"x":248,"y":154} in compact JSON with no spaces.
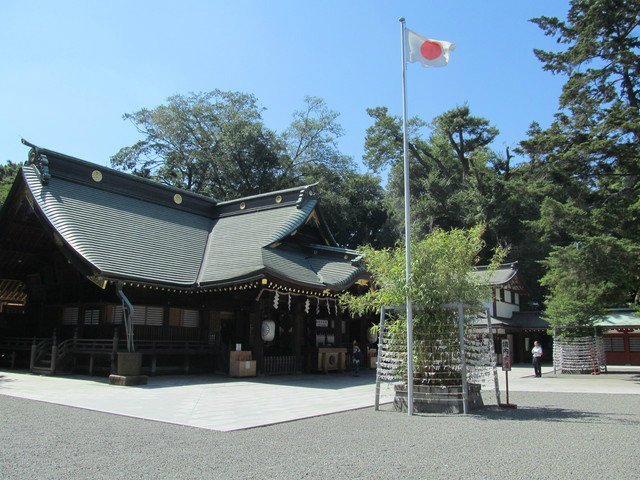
{"x":620,"y":318}
{"x":505,"y":276}
{"x":123,"y":227}
{"x":520,"y":320}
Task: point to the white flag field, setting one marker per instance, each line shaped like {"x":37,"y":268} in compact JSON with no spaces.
{"x":429,"y":52}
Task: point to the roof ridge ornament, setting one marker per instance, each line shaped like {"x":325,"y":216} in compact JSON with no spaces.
{"x":39,"y":161}
{"x":306,"y":190}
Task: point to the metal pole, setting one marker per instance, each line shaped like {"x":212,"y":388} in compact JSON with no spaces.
{"x":463,"y":361}
{"x":380,"y":338}
{"x":407,"y":223}
{"x":506,"y":381}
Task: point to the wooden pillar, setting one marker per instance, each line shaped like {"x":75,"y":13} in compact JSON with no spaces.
{"x":32,"y":361}
{"x":114,"y":352}
{"x":75,"y":347}
{"x":298,"y":333}
{"x":153,"y":364}
{"x":338,"y":329}
{"x":54,"y":352}
{"x":258,"y":344}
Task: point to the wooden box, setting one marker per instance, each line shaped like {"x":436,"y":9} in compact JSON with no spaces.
{"x":245,"y":368}
{"x":241,"y":365}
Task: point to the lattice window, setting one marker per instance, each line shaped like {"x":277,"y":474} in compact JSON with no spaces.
{"x":92,"y":316}
{"x":70,"y":316}
{"x":179,"y":317}
{"x":634,"y":344}
{"x":139,"y":315}
{"x":144,"y":315}
{"x":117,"y":315}
{"x":613,"y":344}
{"x":155,"y":316}
{"x":190,"y":318}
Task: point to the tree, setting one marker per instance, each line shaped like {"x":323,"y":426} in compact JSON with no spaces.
{"x":591,"y":153}
{"x":585,"y":278}
{"x":311,"y":141}
{"x":211,"y":143}
{"x":8,"y":174}
{"x":456,"y":180}
{"x":215,"y":143}
{"x":352,"y":204}
{"x":442,"y":266}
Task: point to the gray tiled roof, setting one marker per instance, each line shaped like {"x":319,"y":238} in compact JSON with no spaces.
{"x":237,"y":242}
{"x":500,"y":276}
{"x":124,"y":227}
{"x":123,"y":236}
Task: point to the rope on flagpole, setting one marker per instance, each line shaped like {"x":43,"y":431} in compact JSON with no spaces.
{"x":407,"y":223}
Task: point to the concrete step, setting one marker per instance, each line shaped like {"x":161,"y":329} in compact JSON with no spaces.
{"x":36,"y":370}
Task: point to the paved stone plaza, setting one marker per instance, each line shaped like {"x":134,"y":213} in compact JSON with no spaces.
{"x":566,"y":426}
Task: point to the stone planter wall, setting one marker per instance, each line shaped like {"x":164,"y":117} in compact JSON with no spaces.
{"x":129,"y":363}
{"x":432,"y":399}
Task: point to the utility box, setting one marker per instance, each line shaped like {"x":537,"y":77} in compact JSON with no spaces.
{"x":241,"y":364}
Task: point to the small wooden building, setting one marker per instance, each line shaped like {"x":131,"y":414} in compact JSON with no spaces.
{"x":621,"y":335}
{"x":79,"y":242}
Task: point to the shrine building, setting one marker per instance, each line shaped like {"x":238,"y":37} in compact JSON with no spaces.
{"x":86,"y":250}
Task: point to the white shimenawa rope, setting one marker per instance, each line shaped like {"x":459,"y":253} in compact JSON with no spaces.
{"x":579,"y":354}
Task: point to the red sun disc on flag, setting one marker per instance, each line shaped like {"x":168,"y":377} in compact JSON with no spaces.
{"x":430,"y":50}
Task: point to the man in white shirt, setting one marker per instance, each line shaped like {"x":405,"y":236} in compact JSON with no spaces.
{"x":537,"y":358}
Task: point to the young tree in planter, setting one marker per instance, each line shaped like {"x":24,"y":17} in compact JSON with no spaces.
{"x":442,"y":272}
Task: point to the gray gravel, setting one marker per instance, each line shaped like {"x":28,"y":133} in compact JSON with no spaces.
{"x":550,"y":436}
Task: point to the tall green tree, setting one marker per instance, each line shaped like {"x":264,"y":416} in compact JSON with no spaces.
{"x":215,"y":143}
{"x":456,"y":180}
{"x":212,"y":143}
{"x":591,"y":154}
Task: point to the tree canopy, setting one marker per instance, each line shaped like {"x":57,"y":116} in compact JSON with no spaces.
{"x":215,"y":143}
{"x":591,"y":155}
{"x":8,"y":174}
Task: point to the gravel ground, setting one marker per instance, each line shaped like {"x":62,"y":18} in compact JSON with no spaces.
{"x":549,"y":436}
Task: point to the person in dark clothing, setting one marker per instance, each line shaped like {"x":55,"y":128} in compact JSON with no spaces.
{"x":356,"y":356}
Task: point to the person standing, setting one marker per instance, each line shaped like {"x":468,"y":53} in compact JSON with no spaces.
{"x":537,"y":358}
{"x":356,"y":357}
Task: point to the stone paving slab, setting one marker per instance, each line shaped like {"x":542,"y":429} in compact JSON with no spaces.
{"x":219,"y":403}
{"x":204,"y":401}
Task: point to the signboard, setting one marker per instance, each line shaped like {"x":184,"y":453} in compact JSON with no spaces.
{"x":506,"y":356}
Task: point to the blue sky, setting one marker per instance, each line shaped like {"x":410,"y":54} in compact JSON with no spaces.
{"x":69,"y":70}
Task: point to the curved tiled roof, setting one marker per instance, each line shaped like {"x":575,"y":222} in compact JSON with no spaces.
{"x":123,"y":227}
{"x":121,"y":236}
{"x":236,"y":243}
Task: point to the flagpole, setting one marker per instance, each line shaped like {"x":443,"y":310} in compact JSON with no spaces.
{"x":407,"y":223}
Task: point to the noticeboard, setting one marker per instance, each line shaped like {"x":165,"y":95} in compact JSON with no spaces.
{"x":506,"y":356}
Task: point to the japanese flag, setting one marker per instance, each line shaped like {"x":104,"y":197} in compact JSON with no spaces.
{"x":430,"y":53}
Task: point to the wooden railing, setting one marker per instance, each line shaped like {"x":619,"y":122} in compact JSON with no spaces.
{"x":280,"y":364}
{"x":47,"y":355}
{"x":18,"y":343}
{"x":172,"y":346}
